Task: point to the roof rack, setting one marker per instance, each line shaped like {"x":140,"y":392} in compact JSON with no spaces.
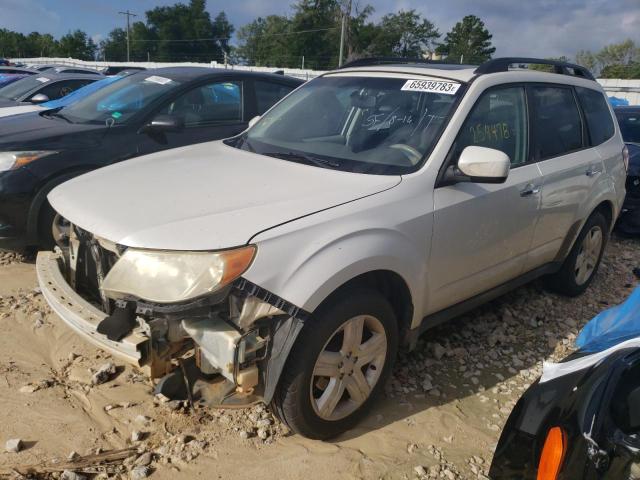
{"x":564,"y":68}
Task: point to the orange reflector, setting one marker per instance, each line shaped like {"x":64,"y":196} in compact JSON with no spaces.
{"x":552,"y":455}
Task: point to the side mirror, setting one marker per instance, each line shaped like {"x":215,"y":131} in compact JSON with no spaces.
{"x":39,"y":98}
{"x":164,"y":123}
{"x":481,"y":165}
{"x":253,"y":121}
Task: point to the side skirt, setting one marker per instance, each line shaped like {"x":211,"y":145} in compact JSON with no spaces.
{"x":458,"y":309}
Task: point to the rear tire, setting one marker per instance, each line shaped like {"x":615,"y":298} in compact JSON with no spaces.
{"x":581,"y":265}
{"x":356,"y":336}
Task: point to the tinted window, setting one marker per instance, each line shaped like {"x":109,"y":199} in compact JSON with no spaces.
{"x":61,"y":89}
{"x":268,"y":94}
{"x":498,"y":120}
{"x":556,"y":121}
{"x":209,"y":104}
{"x":629,"y":125}
{"x":19,"y":89}
{"x":596,"y":111}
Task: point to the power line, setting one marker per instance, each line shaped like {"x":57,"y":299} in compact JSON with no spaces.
{"x":129,"y":15}
{"x":229,"y":38}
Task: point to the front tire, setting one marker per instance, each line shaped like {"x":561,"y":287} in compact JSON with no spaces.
{"x":580,"y":267}
{"x":338,"y":365}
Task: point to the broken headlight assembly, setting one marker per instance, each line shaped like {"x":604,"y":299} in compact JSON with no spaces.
{"x":171,"y":277}
{"x":13,"y":160}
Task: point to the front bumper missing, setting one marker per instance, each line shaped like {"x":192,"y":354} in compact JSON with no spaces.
{"x":83,"y":317}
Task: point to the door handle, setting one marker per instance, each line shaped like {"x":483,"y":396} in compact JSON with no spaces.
{"x":530,"y":190}
{"x":592,"y":172}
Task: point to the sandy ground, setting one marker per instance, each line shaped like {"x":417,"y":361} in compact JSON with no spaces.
{"x":440,"y":418}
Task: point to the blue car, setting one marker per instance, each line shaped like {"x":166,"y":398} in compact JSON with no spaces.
{"x":629,"y":121}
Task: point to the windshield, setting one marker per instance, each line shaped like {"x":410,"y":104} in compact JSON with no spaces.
{"x":357,"y":124}
{"x":15,"y":91}
{"x":119,"y":101}
{"x":80,"y":93}
{"x":629,"y":125}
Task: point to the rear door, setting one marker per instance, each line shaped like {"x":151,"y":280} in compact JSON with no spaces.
{"x":570,"y":168}
{"x":482,"y":232}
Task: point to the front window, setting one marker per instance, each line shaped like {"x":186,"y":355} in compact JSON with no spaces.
{"x":119,"y":101}
{"x":19,"y":89}
{"x":357,"y":124}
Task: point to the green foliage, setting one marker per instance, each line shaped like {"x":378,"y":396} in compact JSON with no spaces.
{"x":618,"y":60}
{"x":404,"y":34}
{"x":180,"y":32}
{"x":77,"y":45}
{"x":468,"y":42}
{"x":14,"y":44}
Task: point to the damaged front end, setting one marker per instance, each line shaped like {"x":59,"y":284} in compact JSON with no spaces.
{"x":218,"y":340}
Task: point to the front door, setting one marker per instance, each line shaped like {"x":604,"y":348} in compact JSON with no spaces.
{"x":483,"y":232}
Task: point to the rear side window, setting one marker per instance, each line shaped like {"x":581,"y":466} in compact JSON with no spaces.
{"x":598,"y":116}
{"x":498,"y":120}
{"x":268,"y":94}
{"x":556,"y":121}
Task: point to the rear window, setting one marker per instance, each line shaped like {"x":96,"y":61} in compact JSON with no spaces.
{"x":556,"y":121}
{"x":268,"y":94}
{"x":629,"y":125}
{"x":599,"y":121}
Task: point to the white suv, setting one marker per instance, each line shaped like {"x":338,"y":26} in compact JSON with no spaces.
{"x":287,"y":264}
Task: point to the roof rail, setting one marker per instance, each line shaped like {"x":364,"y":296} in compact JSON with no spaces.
{"x":367,"y":61}
{"x":563,"y":68}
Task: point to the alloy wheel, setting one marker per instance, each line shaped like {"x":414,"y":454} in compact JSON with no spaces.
{"x":348,"y":367}
{"x":588,"y":255}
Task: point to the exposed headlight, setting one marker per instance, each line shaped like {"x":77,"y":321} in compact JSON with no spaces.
{"x":170,"y":277}
{"x":13,"y":160}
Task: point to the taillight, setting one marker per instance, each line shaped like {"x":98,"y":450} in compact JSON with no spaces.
{"x":625,"y":158}
{"x":552,"y":454}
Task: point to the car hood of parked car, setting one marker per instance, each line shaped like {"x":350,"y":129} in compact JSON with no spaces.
{"x":204,"y":197}
{"x":18,"y":109}
{"x":37,"y":131}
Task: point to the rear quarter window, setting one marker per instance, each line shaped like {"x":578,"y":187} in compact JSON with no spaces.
{"x":599,"y":122}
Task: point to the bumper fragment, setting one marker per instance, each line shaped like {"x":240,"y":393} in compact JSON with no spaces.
{"x":81,"y":316}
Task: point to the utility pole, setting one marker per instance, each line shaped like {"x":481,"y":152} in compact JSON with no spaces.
{"x":343,"y":29}
{"x":129,"y":15}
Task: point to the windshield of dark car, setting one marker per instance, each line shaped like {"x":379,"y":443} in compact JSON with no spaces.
{"x":119,"y":101}
{"x":377,"y":125}
{"x":629,"y":125}
{"x":16,"y":90}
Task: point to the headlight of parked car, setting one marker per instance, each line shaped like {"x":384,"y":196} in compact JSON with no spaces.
{"x":13,"y":160}
{"x":170,"y":277}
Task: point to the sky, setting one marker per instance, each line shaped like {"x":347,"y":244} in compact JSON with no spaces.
{"x":541,"y":28}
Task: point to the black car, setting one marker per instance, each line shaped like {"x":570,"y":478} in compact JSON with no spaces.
{"x":115,"y":70}
{"x":629,"y":121}
{"x":42,"y":88}
{"x":581,"y":419}
{"x":16,"y":71}
{"x":140,"y":114}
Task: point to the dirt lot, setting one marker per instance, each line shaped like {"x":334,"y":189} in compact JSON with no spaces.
{"x":441,"y":416}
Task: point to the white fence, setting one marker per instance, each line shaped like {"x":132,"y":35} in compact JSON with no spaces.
{"x":293,"y":72}
{"x":627,"y":89}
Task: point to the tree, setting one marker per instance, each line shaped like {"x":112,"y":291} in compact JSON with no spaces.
{"x":78,"y":45}
{"x":618,"y":60}
{"x":404,"y":34}
{"x":263,"y":42}
{"x":468,"y":41}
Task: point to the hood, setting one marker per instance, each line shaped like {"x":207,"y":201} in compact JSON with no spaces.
{"x":203,"y":197}
{"x":25,"y":132}
{"x":16,"y":110}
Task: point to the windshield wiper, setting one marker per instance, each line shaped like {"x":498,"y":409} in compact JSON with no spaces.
{"x":297,"y":157}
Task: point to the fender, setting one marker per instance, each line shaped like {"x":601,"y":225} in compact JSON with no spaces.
{"x":41,"y":197}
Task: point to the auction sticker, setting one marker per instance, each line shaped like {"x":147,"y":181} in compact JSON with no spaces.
{"x":432,"y":86}
{"x":42,"y":79}
{"x":157,"y":79}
